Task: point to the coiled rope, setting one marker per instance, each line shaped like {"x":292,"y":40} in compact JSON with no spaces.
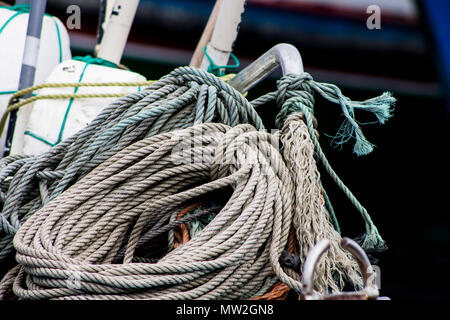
{"x":82,"y":229}
{"x":183,"y":98}
{"x":171,"y":103}
{"x":278,"y":291}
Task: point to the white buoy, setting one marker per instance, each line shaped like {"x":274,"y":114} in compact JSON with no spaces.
{"x":51,"y":121}
{"x":53,"y":49}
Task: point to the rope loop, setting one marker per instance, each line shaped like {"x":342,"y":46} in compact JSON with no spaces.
{"x":220,"y":70}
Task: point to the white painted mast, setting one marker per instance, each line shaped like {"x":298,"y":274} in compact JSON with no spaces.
{"x":118,"y":27}
{"x":225,"y":33}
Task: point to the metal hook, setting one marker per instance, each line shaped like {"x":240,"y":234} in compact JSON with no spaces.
{"x":310,"y":265}
{"x":369,"y":291}
{"x":282,"y":55}
{"x":362,"y":259}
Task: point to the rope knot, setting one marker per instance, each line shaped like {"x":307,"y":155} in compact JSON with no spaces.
{"x":292,"y":85}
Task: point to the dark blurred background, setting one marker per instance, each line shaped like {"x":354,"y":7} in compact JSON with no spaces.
{"x":403,"y":183}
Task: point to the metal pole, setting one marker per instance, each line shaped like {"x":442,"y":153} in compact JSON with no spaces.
{"x":29,"y":60}
{"x":282,"y":55}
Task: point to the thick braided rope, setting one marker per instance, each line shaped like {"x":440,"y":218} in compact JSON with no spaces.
{"x":311,"y":220}
{"x":372,"y":237}
{"x":178,"y":100}
{"x":66,"y":248}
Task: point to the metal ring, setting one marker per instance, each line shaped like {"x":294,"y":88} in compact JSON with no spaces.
{"x":310,"y":265}
{"x":362,"y":259}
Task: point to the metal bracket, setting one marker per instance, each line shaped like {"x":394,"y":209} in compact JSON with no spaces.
{"x":282,"y":55}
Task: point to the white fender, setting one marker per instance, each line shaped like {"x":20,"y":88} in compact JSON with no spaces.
{"x":54,"y":48}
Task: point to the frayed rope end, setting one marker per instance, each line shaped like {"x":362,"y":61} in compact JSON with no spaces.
{"x":362,"y":146}
{"x":373,"y":241}
{"x":381,"y":106}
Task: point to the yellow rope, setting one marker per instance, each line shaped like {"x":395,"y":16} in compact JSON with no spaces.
{"x":79,"y":84}
{"x":15,"y":106}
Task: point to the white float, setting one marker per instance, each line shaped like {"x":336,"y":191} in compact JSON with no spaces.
{"x":55,"y":120}
{"x":47,"y":122}
{"x":54,"y":48}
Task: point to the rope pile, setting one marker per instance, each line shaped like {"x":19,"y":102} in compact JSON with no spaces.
{"x":92,"y":205}
{"x":15,"y":104}
{"x":83,"y":229}
{"x":28,"y":183}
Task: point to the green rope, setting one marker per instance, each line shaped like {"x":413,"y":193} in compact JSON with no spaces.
{"x":330,"y":210}
{"x":8,"y":92}
{"x":373,"y":239}
{"x":302,"y":86}
{"x":295,"y":94}
{"x":220,"y":70}
{"x":9,"y":20}
{"x":66,"y":114}
{"x":97,"y":61}
{"x":58,"y":33}
{"x":37,"y":137}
